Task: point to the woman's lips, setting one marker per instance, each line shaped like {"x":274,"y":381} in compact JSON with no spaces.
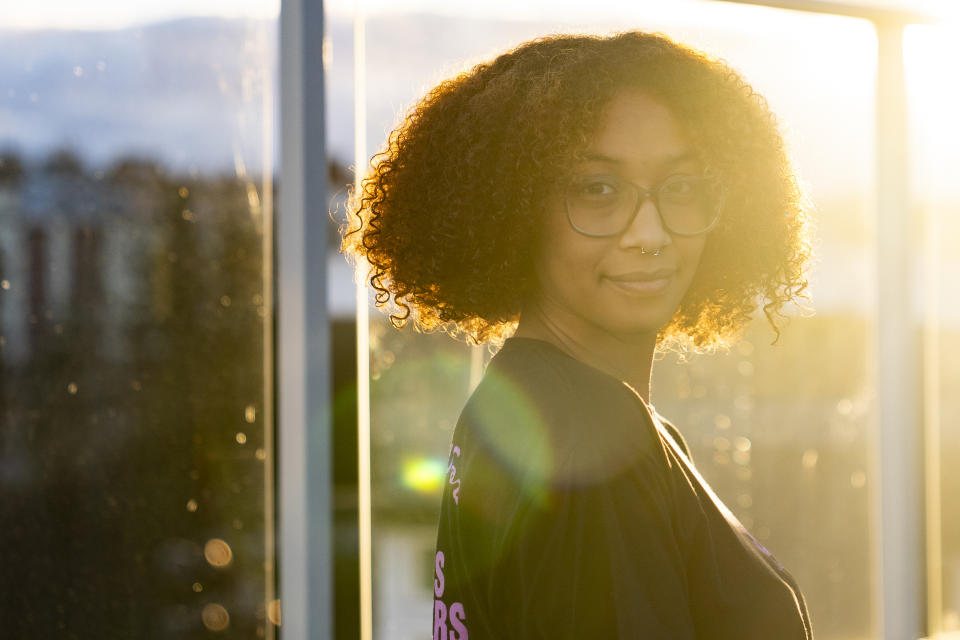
{"x":642,"y":284}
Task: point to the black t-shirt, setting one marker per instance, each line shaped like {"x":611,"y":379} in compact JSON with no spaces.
{"x":570,"y":511}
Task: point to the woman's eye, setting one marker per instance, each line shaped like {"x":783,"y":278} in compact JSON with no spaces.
{"x":597,"y":188}
{"x":681,"y":188}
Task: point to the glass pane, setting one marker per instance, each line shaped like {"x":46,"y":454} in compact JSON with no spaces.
{"x":782,"y":432}
{"x":935,"y":132}
{"x":136,"y":190}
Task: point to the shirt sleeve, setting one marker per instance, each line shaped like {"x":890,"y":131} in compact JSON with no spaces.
{"x":595,"y":560}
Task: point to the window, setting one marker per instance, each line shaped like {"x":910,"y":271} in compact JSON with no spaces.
{"x":136,"y":190}
{"x":784,"y":433}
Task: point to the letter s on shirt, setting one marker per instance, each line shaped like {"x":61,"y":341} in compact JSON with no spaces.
{"x":438,"y":568}
{"x":457,"y":619}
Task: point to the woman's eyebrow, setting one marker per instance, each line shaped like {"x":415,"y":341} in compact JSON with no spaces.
{"x":666,"y":161}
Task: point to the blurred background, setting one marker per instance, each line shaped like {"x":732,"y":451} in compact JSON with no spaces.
{"x":139,"y":176}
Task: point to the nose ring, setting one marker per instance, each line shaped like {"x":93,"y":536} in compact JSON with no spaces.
{"x":644,"y":252}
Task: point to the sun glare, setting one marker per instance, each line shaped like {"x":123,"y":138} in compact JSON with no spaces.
{"x":930,"y":55}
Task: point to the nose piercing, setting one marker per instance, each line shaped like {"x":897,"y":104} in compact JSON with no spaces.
{"x":644,"y":252}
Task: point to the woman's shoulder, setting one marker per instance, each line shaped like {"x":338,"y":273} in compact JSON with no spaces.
{"x":538,"y":407}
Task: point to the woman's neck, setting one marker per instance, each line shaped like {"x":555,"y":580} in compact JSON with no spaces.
{"x":626,"y":357}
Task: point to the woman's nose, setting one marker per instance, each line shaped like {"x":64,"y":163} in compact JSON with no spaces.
{"x":646,"y":230}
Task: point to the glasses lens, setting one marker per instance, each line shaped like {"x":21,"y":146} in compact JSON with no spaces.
{"x":688,"y":204}
{"x":600,"y":205}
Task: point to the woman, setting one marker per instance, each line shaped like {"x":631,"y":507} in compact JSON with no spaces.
{"x":595,"y":199}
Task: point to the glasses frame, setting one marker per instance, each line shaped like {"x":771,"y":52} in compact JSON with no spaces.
{"x":643,"y":194}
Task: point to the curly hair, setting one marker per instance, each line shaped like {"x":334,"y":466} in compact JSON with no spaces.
{"x":453,"y":204}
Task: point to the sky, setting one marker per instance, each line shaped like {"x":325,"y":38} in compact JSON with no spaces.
{"x":116,"y":14}
{"x":100,"y":14}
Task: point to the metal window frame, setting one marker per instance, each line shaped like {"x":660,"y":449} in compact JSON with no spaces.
{"x":303,"y":344}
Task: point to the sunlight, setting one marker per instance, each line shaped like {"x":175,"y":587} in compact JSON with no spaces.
{"x":930,"y":54}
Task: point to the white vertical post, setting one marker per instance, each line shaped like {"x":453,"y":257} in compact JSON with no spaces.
{"x":303,"y":333}
{"x":898,"y":360}
{"x":364,"y":488}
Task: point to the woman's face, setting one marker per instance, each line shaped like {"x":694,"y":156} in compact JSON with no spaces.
{"x":616,"y":284}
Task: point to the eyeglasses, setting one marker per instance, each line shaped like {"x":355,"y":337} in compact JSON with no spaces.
{"x":601,"y":206}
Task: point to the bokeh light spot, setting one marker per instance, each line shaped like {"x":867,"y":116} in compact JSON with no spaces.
{"x":215,"y":617}
{"x":218,"y":553}
{"x":423,"y":475}
{"x":274,"y":612}
{"x":858,"y":479}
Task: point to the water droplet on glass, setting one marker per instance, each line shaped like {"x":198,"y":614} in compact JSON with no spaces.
{"x":745,"y":368}
{"x":810,"y":457}
{"x":250,"y":414}
{"x":257,"y":299}
{"x":845,"y":407}
{"x":225,"y":301}
{"x":72,"y":388}
{"x":721,"y":444}
{"x":721,"y":421}
{"x":187,"y":215}
{"x":215,"y":617}
{"x":218,"y":553}
{"x":858,"y":479}
{"x":273,"y":612}
{"x":241,"y":437}
{"x":5,"y":285}
{"x":183,"y":192}
{"x":742,"y":444}
{"x":197,"y":587}
{"x":951,"y":620}
{"x":261,"y":454}
{"x":192,"y":505}
{"x":78,"y":71}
